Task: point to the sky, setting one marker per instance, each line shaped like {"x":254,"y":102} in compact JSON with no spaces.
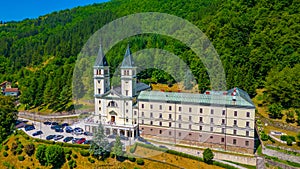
{"x":17,"y":10}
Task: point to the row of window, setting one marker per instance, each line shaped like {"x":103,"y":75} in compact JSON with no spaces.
{"x":234,"y":141}
{"x":98,"y":72}
{"x":200,"y":110}
{"x":200,"y":128}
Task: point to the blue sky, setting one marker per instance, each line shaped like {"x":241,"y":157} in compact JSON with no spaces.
{"x":20,"y":9}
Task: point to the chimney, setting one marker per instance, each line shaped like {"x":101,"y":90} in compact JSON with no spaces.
{"x":233,"y":94}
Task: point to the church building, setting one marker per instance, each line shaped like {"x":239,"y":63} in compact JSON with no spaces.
{"x":221,"y":120}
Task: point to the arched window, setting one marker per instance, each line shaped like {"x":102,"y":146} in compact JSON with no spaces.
{"x":112,"y":104}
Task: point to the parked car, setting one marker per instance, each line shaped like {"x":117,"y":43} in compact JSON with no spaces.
{"x":37,"y":133}
{"x":67,"y":139}
{"x":47,"y":123}
{"x":29,"y":127}
{"x":81,"y":140}
{"x":88,"y":133}
{"x":163,"y":147}
{"x":54,"y":123}
{"x":87,"y":142}
{"x":78,"y":131}
{"x":59,"y":130}
{"x":49,"y":137}
{"x":74,"y":140}
{"x":69,"y":129}
{"x":56,"y":126}
{"x":58,"y":137}
{"x":64,"y":124}
{"x":142,"y":139}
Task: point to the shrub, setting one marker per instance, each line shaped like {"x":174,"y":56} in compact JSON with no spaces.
{"x":68,"y":157}
{"x":74,"y":155}
{"x":21,"y":158}
{"x":19,"y":150}
{"x":131,"y":158}
{"x":72,"y":164}
{"x":41,"y":154}
{"x":140,"y":161}
{"x":85,"y":153}
{"x":29,"y":149}
{"x":264,"y":136}
{"x":289,"y":142}
{"x":5,"y":154}
{"x":6,"y":147}
{"x":208,"y":156}
{"x":91,"y":160}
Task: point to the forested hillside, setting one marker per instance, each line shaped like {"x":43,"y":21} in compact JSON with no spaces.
{"x":251,"y":36}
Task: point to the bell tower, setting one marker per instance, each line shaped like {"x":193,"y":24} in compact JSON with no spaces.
{"x":128,"y":75}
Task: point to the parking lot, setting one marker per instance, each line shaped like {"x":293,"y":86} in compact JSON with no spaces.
{"x":46,"y":129}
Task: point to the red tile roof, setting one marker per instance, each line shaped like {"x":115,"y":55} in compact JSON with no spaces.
{"x":11,"y":90}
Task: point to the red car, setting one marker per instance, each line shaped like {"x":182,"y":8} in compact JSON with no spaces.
{"x":80,"y":141}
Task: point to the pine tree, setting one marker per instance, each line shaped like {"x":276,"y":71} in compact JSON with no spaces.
{"x":99,"y":145}
{"x":117,"y":149}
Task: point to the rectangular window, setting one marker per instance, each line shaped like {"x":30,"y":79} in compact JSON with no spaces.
{"x":179,"y":125}
{"x":170,"y":116}
{"x":126,"y":92}
{"x":248,"y":114}
{"x":98,"y":81}
{"x":234,"y":141}
{"x":170,"y":108}
{"x":200,"y":119}
{"x":99,"y":108}
{"x":160,"y":131}
{"x":179,"y":117}
{"x":160,"y":115}
{"x":201,"y":110}
{"x":234,"y":122}
{"x":222,"y":139}
{"x":151,"y":115}
{"x":142,"y":105}
{"x":212,"y":111}
{"x":179,"y":108}
{"x":142,"y":121}
{"x":200,"y":128}
{"x":135,"y":113}
{"x":246,"y":143}
{"x":190,"y":109}
{"x":211,"y":120}
{"x":151,"y":122}
{"x":190,"y":118}
{"x":247,"y":123}
{"x":99,"y":91}
{"x":223,"y":121}
{"x":170,"y":124}
{"x":223,"y":130}
{"x":160,"y":107}
{"x":142,"y":114}
{"x":234,"y":132}
{"x":151,"y":106}
{"x":223,"y":112}
{"x":211,"y":129}
{"x":170,"y":133}
{"x":247,"y":133}
{"x":126,"y":110}
{"x":235,"y":113}
{"x":160,"y":123}
{"x":99,"y":101}
{"x":190,"y":126}
{"x":179,"y":134}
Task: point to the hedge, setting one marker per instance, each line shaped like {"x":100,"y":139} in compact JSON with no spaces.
{"x":5,"y":154}
{"x":21,"y":158}
{"x":131,"y":158}
{"x":91,"y":160}
{"x":286,"y":137}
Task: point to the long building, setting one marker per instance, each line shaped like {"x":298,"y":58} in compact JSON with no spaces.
{"x":218,"y":119}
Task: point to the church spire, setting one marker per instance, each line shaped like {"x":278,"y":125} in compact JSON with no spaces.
{"x":127,"y":61}
{"x":101,"y":59}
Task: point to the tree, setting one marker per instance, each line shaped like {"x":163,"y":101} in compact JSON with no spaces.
{"x":117,"y":149}
{"x":99,"y":145}
{"x":188,"y":79}
{"x":290,"y":116}
{"x":208,"y":156}
{"x":8,"y":116}
{"x":55,"y":156}
{"x":41,"y":154}
{"x":275,"y":111}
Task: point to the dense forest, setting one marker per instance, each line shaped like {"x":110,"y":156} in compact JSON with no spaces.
{"x":252,"y":38}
